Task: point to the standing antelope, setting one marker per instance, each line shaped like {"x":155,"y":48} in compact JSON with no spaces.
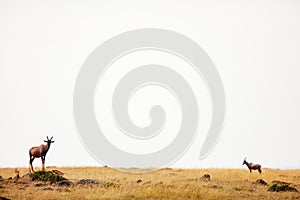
{"x":252,"y":166}
{"x":39,"y":152}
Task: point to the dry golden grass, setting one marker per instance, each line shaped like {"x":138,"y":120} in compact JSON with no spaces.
{"x":161,"y":184}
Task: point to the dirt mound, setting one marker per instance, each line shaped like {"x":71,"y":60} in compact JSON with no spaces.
{"x":47,"y":176}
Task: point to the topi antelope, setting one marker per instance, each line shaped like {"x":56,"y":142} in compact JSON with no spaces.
{"x":252,"y":166}
{"x":39,"y":152}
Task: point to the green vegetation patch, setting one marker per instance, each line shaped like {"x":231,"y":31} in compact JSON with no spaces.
{"x":47,"y":176}
{"x":282,"y":188}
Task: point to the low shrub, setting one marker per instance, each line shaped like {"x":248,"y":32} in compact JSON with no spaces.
{"x":282,"y":188}
{"x":47,"y":176}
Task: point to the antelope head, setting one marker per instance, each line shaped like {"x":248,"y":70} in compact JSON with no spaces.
{"x":245,"y":160}
{"x":49,"y":141}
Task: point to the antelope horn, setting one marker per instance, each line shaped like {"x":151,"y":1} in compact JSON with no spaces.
{"x":51,"y":138}
{"x":47,"y":138}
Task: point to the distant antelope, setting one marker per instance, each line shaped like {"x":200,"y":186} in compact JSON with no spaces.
{"x":39,"y":152}
{"x":252,"y":166}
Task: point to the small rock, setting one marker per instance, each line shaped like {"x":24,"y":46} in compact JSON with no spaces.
{"x":205,"y":177}
{"x":66,"y":183}
{"x":87,"y":181}
{"x":261,"y":181}
{"x":47,"y":188}
{"x":139,"y":181}
{"x":40,"y":184}
{"x":26,"y":178}
{"x":252,"y":188}
{"x":16,"y":178}
{"x":10,"y":178}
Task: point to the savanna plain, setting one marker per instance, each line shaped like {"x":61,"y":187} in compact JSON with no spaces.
{"x":166,"y":183}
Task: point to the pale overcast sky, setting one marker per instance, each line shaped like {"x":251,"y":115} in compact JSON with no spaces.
{"x":254,"y":45}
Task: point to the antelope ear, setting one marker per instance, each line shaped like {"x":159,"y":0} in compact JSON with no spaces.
{"x":52,"y":141}
{"x":45,"y":141}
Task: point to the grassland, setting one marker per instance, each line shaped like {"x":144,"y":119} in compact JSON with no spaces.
{"x":161,"y":184}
